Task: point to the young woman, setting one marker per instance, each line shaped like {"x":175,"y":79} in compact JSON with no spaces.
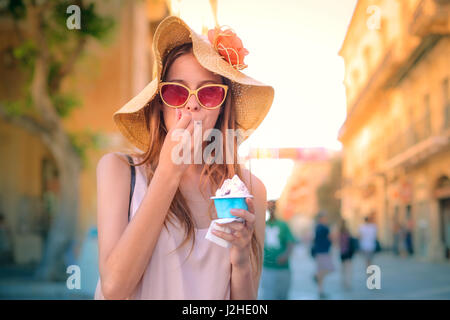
{"x":160,"y":250}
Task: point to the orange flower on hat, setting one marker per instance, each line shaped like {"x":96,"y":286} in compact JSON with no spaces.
{"x":229,"y":46}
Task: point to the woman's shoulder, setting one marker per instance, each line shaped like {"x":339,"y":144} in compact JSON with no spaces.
{"x":113,"y":163}
{"x":114,"y":157}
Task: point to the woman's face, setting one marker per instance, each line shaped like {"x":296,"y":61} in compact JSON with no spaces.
{"x":186,"y":70}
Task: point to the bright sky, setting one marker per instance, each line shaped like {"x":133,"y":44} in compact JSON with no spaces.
{"x":293,"y":47}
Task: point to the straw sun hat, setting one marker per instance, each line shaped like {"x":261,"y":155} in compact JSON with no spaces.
{"x":252,"y":99}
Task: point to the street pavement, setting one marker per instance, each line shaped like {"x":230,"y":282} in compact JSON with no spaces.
{"x":401,"y":278}
{"x":16,"y":289}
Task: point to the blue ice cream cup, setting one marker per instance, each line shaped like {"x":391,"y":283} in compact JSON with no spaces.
{"x":226,"y":203}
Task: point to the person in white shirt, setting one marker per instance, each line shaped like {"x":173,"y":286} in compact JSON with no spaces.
{"x":368,"y":239}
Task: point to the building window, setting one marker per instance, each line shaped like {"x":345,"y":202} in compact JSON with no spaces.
{"x":410,"y":134}
{"x":368,"y":58}
{"x":427,"y":117}
{"x":421,"y":128}
{"x":446,"y":100}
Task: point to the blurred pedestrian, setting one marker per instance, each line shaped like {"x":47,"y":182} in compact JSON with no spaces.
{"x":368,"y":239}
{"x":278,"y":245}
{"x":409,"y":236}
{"x":321,"y":252}
{"x":6,"y":250}
{"x":347,"y":247}
{"x":397,"y":237}
{"x":402,"y":240}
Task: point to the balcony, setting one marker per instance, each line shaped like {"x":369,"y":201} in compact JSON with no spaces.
{"x":417,"y":143}
{"x":417,"y":132}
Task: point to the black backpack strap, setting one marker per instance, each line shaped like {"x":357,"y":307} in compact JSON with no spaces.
{"x":132,"y":183}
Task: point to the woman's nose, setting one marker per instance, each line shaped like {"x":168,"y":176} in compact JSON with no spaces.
{"x":192,"y":104}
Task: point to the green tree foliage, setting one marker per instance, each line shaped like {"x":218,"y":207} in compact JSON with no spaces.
{"x":64,"y":48}
{"x":84,"y":140}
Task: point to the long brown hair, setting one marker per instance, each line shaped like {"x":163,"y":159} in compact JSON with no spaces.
{"x":213,"y":173}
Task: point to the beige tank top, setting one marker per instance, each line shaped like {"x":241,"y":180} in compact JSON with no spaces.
{"x":171,"y":274}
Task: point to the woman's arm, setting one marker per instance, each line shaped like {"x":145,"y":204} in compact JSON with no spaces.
{"x":125,"y":248}
{"x":244,"y":279}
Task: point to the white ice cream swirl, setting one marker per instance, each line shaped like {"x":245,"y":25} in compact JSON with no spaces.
{"x":233,"y":187}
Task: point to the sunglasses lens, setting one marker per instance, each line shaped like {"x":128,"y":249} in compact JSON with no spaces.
{"x":211,"y":96}
{"x":174,"y":95}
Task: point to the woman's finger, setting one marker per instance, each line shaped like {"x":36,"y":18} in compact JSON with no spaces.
{"x":226,"y":236}
{"x":233,"y":225}
{"x":238,"y":235}
{"x":185,"y":120}
{"x":247,"y":216}
{"x":250,"y":205}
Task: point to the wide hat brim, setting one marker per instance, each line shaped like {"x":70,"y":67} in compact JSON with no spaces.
{"x":251,"y":98}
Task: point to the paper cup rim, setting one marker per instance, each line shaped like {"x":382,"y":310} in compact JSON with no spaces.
{"x":230,"y":197}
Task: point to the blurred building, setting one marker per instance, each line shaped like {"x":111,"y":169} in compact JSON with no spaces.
{"x":106,"y":77}
{"x":299,"y":201}
{"x":396,"y":138}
